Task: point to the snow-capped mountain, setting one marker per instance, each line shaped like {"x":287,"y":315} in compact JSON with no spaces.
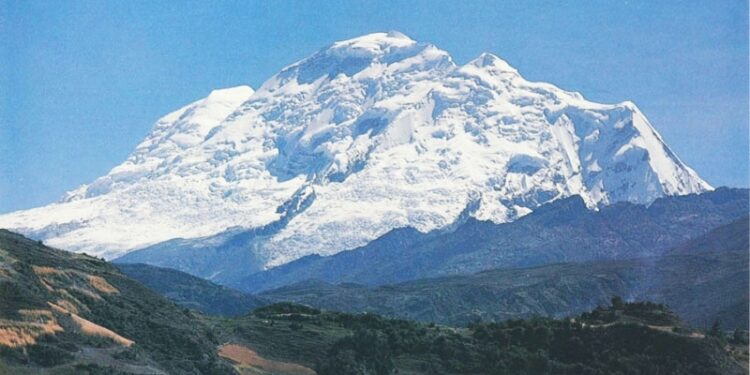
{"x":364,"y":136}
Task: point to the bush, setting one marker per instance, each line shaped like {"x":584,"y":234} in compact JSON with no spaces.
{"x":48,"y":356}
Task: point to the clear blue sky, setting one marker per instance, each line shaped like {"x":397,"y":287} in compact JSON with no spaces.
{"x":81,"y":83}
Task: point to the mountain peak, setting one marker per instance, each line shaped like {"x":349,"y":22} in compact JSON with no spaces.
{"x":231,"y":93}
{"x":374,"y":42}
{"x":489,"y":61}
{"x":397,"y":34}
{"x":369,"y":134}
{"x":367,"y":57}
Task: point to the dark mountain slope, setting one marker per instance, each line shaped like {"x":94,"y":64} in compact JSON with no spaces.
{"x":562,"y":231}
{"x":191,"y":291}
{"x":703,"y":279}
{"x":706,"y":278}
{"x":72,"y":313}
{"x":554,"y":290}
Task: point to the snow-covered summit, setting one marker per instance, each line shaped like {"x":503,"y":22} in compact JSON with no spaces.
{"x":171,"y":136}
{"x":364,"y":136}
{"x":493,"y":64}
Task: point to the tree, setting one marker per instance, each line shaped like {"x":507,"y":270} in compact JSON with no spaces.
{"x":739,"y":337}
{"x":716,"y":329}
{"x":617,"y":303}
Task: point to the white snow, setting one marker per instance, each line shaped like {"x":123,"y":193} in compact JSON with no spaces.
{"x":386,"y":132}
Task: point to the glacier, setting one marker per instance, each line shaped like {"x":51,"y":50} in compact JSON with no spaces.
{"x":366,"y":135}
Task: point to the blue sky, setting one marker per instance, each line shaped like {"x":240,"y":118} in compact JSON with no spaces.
{"x":81,"y":83}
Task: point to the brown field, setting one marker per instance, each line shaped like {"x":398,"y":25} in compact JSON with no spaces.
{"x":44,"y":271}
{"x":102,"y":285}
{"x":90,"y":328}
{"x":244,"y":356}
{"x":15,"y":333}
{"x":94,"y":329}
{"x":66,"y":296}
{"x":67,"y":305}
{"x":57,"y":280}
{"x":57,"y":308}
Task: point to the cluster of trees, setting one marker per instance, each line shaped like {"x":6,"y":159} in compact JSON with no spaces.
{"x":643,"y":312}
{"x":533,"y":346}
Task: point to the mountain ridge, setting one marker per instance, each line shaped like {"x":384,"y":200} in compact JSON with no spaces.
{"x":561,"y":231}
{"x":702,"y":279}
